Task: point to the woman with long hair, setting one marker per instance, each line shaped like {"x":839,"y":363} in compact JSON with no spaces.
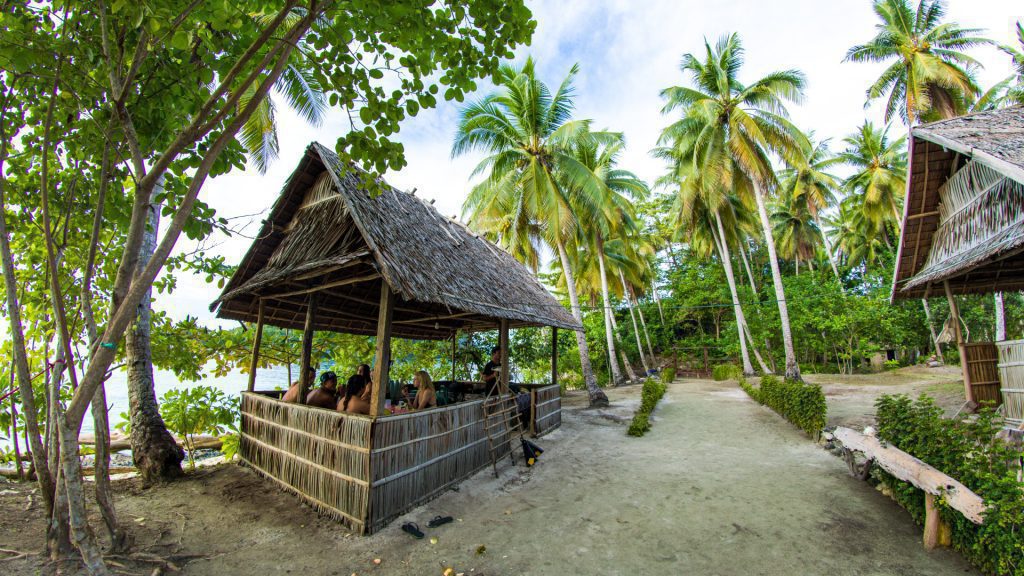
{"x":354,"y":401}
{"x":426,"y":397}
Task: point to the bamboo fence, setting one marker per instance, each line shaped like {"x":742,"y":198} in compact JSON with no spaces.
{"x":546,"y":409}
{"x":982,"y":361}
{"x":321,"y":455}
{"x":1011,"y":372}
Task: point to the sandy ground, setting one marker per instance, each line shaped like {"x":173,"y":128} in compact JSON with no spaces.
{"x":720,"y":486}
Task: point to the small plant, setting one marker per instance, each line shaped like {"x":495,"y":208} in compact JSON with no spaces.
{"x":801,"y":403}
{"x":726,"y":372}
{"x":668,"y":375}
{"x":190,"y":412}
{"x":125,"y":425}
{"x":892,"y":364}
{"x":230,"y":444}
{"x":651,"y":393}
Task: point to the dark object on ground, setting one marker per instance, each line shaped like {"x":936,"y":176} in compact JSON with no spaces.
{"x":414,"y":529}
{"x":440,"y":521}
{"x":528,"y":453}
{"x":536,"y":449}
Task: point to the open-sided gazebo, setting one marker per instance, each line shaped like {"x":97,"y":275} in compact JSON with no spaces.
{"x":963,"y":232}
{"x":331,"y":257}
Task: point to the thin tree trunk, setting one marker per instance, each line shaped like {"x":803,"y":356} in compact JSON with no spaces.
{"x":636,"y":328}
{"x":630,"y":373}
{"x":746,"y":265}
{"x":616,"y":372}
{"x":753,"y":348}
{"x":657,"y":300}
{"x":157,"y":456}
{"x":792,"y":367}
{"x":598,"y":399}
{"x":1000,"y":318}
{"x":828,"y":246}
{"x":931,"y":329}
{"x":723,"y":254}
{"x":647,"y":336}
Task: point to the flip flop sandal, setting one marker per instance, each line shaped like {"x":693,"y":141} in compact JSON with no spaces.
{"x":412,"y":528}
{"x":439,"y":521}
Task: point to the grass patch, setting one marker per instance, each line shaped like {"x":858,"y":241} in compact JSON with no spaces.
{"x":726,"y":372}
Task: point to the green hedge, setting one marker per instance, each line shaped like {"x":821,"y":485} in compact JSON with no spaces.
{"x":726,"y":372}
{"x":970,"y":452}
{"x":668,"y":374}
{"x":652,"y":391}
{"x":801,"y":403}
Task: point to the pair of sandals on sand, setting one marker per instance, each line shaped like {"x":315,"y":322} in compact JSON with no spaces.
{"x":414,"y":529}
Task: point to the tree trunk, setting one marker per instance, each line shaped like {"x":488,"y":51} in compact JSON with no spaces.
{"x":931,"y":329}
{"x":647,"y":336}
{"x":157,"y":456}
{"x":792,"y":367}
{"x":598,"y":399}
{"x":657,"y":300}
{"x":636,"y":328}
{"x":746,"y":264}
{"x":1000,"y":318}
{"x":753,"y":348}
{"x":630,"y":373}
{"x":723,"y":255}
{"x":613,"y":361}
{"x":828,"y":246}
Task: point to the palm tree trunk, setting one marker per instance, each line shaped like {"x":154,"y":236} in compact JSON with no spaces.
{"x":598,"y":399}
{"x":792,"y":367}
{"x":643,"y":324}
{"x":746,"y":264}
{"x":1000,"y":318}
{"x":657,"y":300}
{"x":613,"y":362}
{"x":156,"y":454}
{"x":630,"y":373}
{"x":931,"y":329}
{"x":636,"y":329}
{"x":723,"y":254}
{"x":828,"y":245}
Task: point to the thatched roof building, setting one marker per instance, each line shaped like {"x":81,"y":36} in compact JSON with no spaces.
{"x":963,"y":220}
{"x":326,"y":235}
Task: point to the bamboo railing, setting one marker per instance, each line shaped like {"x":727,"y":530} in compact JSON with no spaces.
{"x":546,"y":409}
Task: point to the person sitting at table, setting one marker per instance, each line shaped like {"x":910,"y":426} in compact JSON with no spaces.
{"x":354,"y":401}
{"x":326,"y":396}
{"x":292,"y":395}
{"x":426,"y":396}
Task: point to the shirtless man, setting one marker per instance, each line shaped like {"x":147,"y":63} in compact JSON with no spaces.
{"x":292,"y":395}
{"x":326,"y":396}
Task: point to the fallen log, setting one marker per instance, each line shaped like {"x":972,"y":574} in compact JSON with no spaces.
{"x":119,"y":443}
{"x":917,"y":472}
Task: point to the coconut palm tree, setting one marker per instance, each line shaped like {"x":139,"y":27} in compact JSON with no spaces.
{"x":880,"y":174}
{"x":733,"y":129}
{"x":1010,"y":90}
{"x":929,"y":75}
{"x":615,"y":214}
{"x":808,"y":186}
{"x":796,"y":234}
{"x":532,"y":178}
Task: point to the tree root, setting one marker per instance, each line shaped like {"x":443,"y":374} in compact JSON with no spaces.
{"x":17,"y":554}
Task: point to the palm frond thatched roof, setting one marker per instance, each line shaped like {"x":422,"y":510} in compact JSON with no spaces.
{"x":327,"y":236}
{"x":963,"y":219}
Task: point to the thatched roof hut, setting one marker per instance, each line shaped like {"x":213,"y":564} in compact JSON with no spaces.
{"x":963,"y":219}
{"x":326,"y":235}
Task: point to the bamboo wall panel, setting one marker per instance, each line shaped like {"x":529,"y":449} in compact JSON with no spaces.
{"x":547,"y":409}
{"x":982,"y":360}
{"x":415,"y":457}
{"x":1011,"y":372}
{"x":321,"y":455}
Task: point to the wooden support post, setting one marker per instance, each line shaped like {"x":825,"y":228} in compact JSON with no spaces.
{"x":503,"y":344}
{"x":255,"y":361}
{"x":382,"y":358}
{"x":707,"y":367}
{"x":954,"y":311}
{"x":936,"y":532}
{"x":554,"y":355}
{"x":305,"y":382}
{"x":455,"y":345}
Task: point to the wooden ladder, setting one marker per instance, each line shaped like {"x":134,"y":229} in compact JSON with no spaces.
{"x":501,"y":424}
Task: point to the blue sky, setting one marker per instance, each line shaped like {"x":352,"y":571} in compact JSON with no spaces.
{"x":627,"y":51}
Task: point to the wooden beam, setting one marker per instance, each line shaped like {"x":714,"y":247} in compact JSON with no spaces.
{"x":954,"y":312}
{"x":305,"y":381}
{"x":554,"y":355}
{"x":503,"y":344}
{"x":455,"y":349}
{"x":255,"y":361}
{"x":436,"y":318}
{"x":382,"y":358}
{"x":334,"y":284}
{"x":910,"y":469}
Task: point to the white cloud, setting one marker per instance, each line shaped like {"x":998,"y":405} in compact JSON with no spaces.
{"x":628,"y":51}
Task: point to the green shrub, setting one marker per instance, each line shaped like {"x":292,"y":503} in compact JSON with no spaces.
{"x":892,"y":364}
{"x":668,"y":374}
{"x":970,"y":452}
{"x":189,"y":412}
{"x":801,"y":403}
{"x":726,"y":372}
{"x":651,"y":393}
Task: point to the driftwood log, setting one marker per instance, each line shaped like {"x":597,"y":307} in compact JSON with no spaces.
{"x":119,"y":442}
{"x":910,"y":469}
